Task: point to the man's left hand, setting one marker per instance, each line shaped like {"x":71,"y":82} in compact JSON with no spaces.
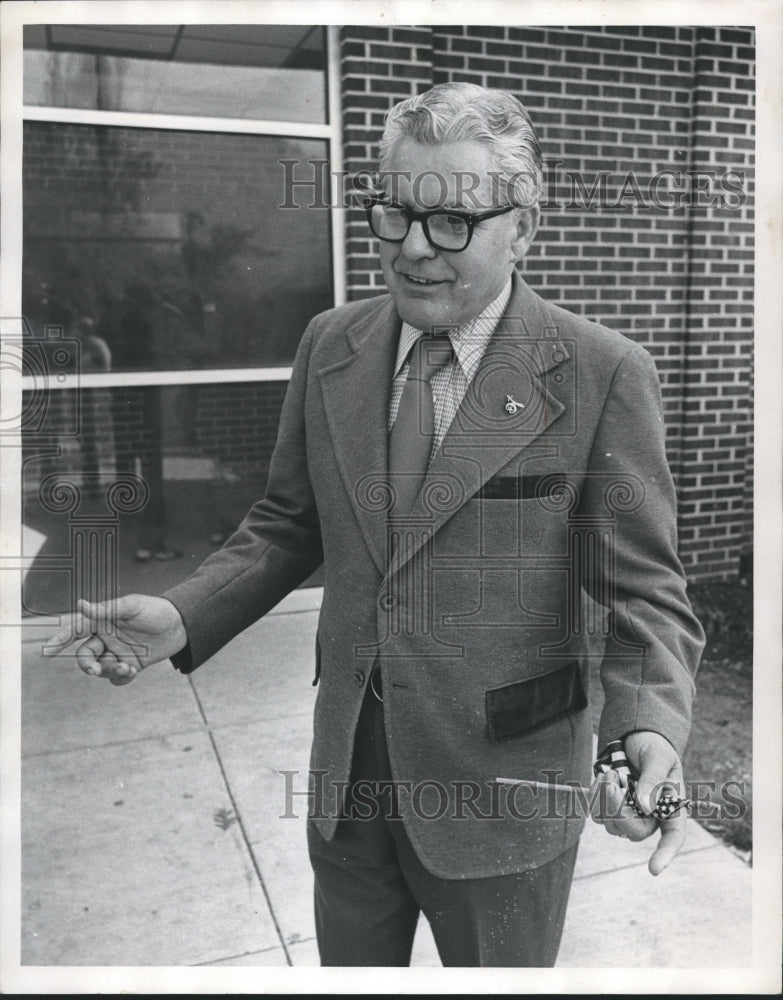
{"x":660,"y":770}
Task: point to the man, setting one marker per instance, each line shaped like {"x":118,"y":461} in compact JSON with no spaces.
{"x":483,"y":476}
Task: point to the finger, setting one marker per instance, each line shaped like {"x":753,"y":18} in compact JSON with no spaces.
{"x":88,"y":656}
{"x":103,"y":663}
{"x":633,"y":827}
{"x":93,"y":609}
{"x":100,"y":615}
{"x":75,"y":627}
{"x":105,"y":618}
{"x":606,"y":800}
{"x":661,"y":771}
{"x":63,"y":637}
{"x":673,"y":833}
{"x":124,"y":651}
{"x":117,"y":671}
{"x":120,"y":680}
{"x":108,"y":611}
{"x":647,"y":794}
{"x":618,"y":816}
{"x":89,"y":618}
{"x":113,"y":668}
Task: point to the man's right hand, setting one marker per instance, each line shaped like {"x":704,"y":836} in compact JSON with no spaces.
{"x":118,"y":639}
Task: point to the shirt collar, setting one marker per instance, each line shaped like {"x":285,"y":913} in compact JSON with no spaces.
{"x":469,"y":340}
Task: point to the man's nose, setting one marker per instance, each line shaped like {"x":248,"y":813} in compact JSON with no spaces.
{"x":416,"y":245}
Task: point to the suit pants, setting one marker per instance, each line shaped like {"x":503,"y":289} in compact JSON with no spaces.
{"x":370,"y":886}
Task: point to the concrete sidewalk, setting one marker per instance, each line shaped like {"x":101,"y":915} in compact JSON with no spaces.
{"x":152,"y":835}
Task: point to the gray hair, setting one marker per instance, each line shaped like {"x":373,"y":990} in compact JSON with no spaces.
{"x":455,"y":112}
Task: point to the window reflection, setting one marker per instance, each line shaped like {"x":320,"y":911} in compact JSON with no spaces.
{"x":149,"y":250}
{"x":201,"y":450}
{"x":272,"y":72}
{"x":169,"y":246}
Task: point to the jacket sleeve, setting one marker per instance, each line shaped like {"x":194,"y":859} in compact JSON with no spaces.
{"x":275,"y":548}
{"x":654,"y":641}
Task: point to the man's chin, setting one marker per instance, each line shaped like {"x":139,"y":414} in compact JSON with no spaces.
{"x":423,"y":314}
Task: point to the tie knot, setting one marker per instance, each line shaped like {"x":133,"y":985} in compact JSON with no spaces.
{"x":430,"y":352}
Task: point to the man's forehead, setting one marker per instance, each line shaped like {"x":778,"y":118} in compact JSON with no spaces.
{"x":439,"y":182}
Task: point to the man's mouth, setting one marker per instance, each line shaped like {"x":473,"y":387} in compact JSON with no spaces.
{"x":420,"y":281}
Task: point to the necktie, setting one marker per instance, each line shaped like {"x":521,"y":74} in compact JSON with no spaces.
{"x":410,"y":440}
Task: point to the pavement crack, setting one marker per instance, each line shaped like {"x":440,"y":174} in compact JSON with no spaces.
{"x":250,"y":853}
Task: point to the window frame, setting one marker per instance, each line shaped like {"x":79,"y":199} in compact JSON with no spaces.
{"x":331,"y":132}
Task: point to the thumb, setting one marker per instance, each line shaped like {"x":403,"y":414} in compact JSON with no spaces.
{"x":101,"y":611}
{"x":673,"y":833}
{"x":662,"y":772}
{"x":87,"y":619}
{"x":94,"y":610}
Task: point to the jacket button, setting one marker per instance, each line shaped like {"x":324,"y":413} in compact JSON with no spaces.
{"x":387,"y":602}
{"x":359,"y":677}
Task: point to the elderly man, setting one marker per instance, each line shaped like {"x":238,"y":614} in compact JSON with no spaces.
{"x":483,"y":476}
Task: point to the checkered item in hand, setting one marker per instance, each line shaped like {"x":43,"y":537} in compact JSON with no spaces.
{"x":614,"y":759}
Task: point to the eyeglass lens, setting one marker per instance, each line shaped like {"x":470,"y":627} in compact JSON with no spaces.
{"x":449,"y":232}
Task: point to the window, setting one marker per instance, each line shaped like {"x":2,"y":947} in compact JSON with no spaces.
{"x":141,"y":207}
{"x":170,"y":247}
{"x":153,"y":240}
{"x":271,"y":72}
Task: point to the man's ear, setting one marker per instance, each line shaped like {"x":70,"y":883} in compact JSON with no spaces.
{"x":527,"y":227}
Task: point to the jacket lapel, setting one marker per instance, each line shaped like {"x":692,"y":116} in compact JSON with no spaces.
{"x":356,"y":394}
{"x":484,"y":435}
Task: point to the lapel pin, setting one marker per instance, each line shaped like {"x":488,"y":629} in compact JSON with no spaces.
{"x":512,"y":405}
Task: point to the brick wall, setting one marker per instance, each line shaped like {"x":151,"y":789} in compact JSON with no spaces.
{"x":627,"y":101}
{"x":238,"y":423}
{"x":716,"y":443}
{"x":379,"y":67}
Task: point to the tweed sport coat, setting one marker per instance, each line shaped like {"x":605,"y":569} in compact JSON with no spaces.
{"x":543,"y":540}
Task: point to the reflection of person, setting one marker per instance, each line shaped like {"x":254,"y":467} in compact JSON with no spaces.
{"x":466,"y":612}
{"x":201,"y":261}
{"x":95,"y":356}
{"x":143,"y":405}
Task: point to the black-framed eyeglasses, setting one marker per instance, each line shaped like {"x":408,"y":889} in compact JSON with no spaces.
{"x":444,"y":229}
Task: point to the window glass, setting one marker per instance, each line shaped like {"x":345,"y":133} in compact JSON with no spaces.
{"x":273,"y":72}
{"x":128,"y":489}
{"x":166,"y":250}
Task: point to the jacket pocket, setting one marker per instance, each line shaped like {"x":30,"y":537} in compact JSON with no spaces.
{"x":524,"y":706}
{"x":501,"y":487}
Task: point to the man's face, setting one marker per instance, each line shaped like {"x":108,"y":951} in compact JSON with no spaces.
{"x":432,"y":287}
